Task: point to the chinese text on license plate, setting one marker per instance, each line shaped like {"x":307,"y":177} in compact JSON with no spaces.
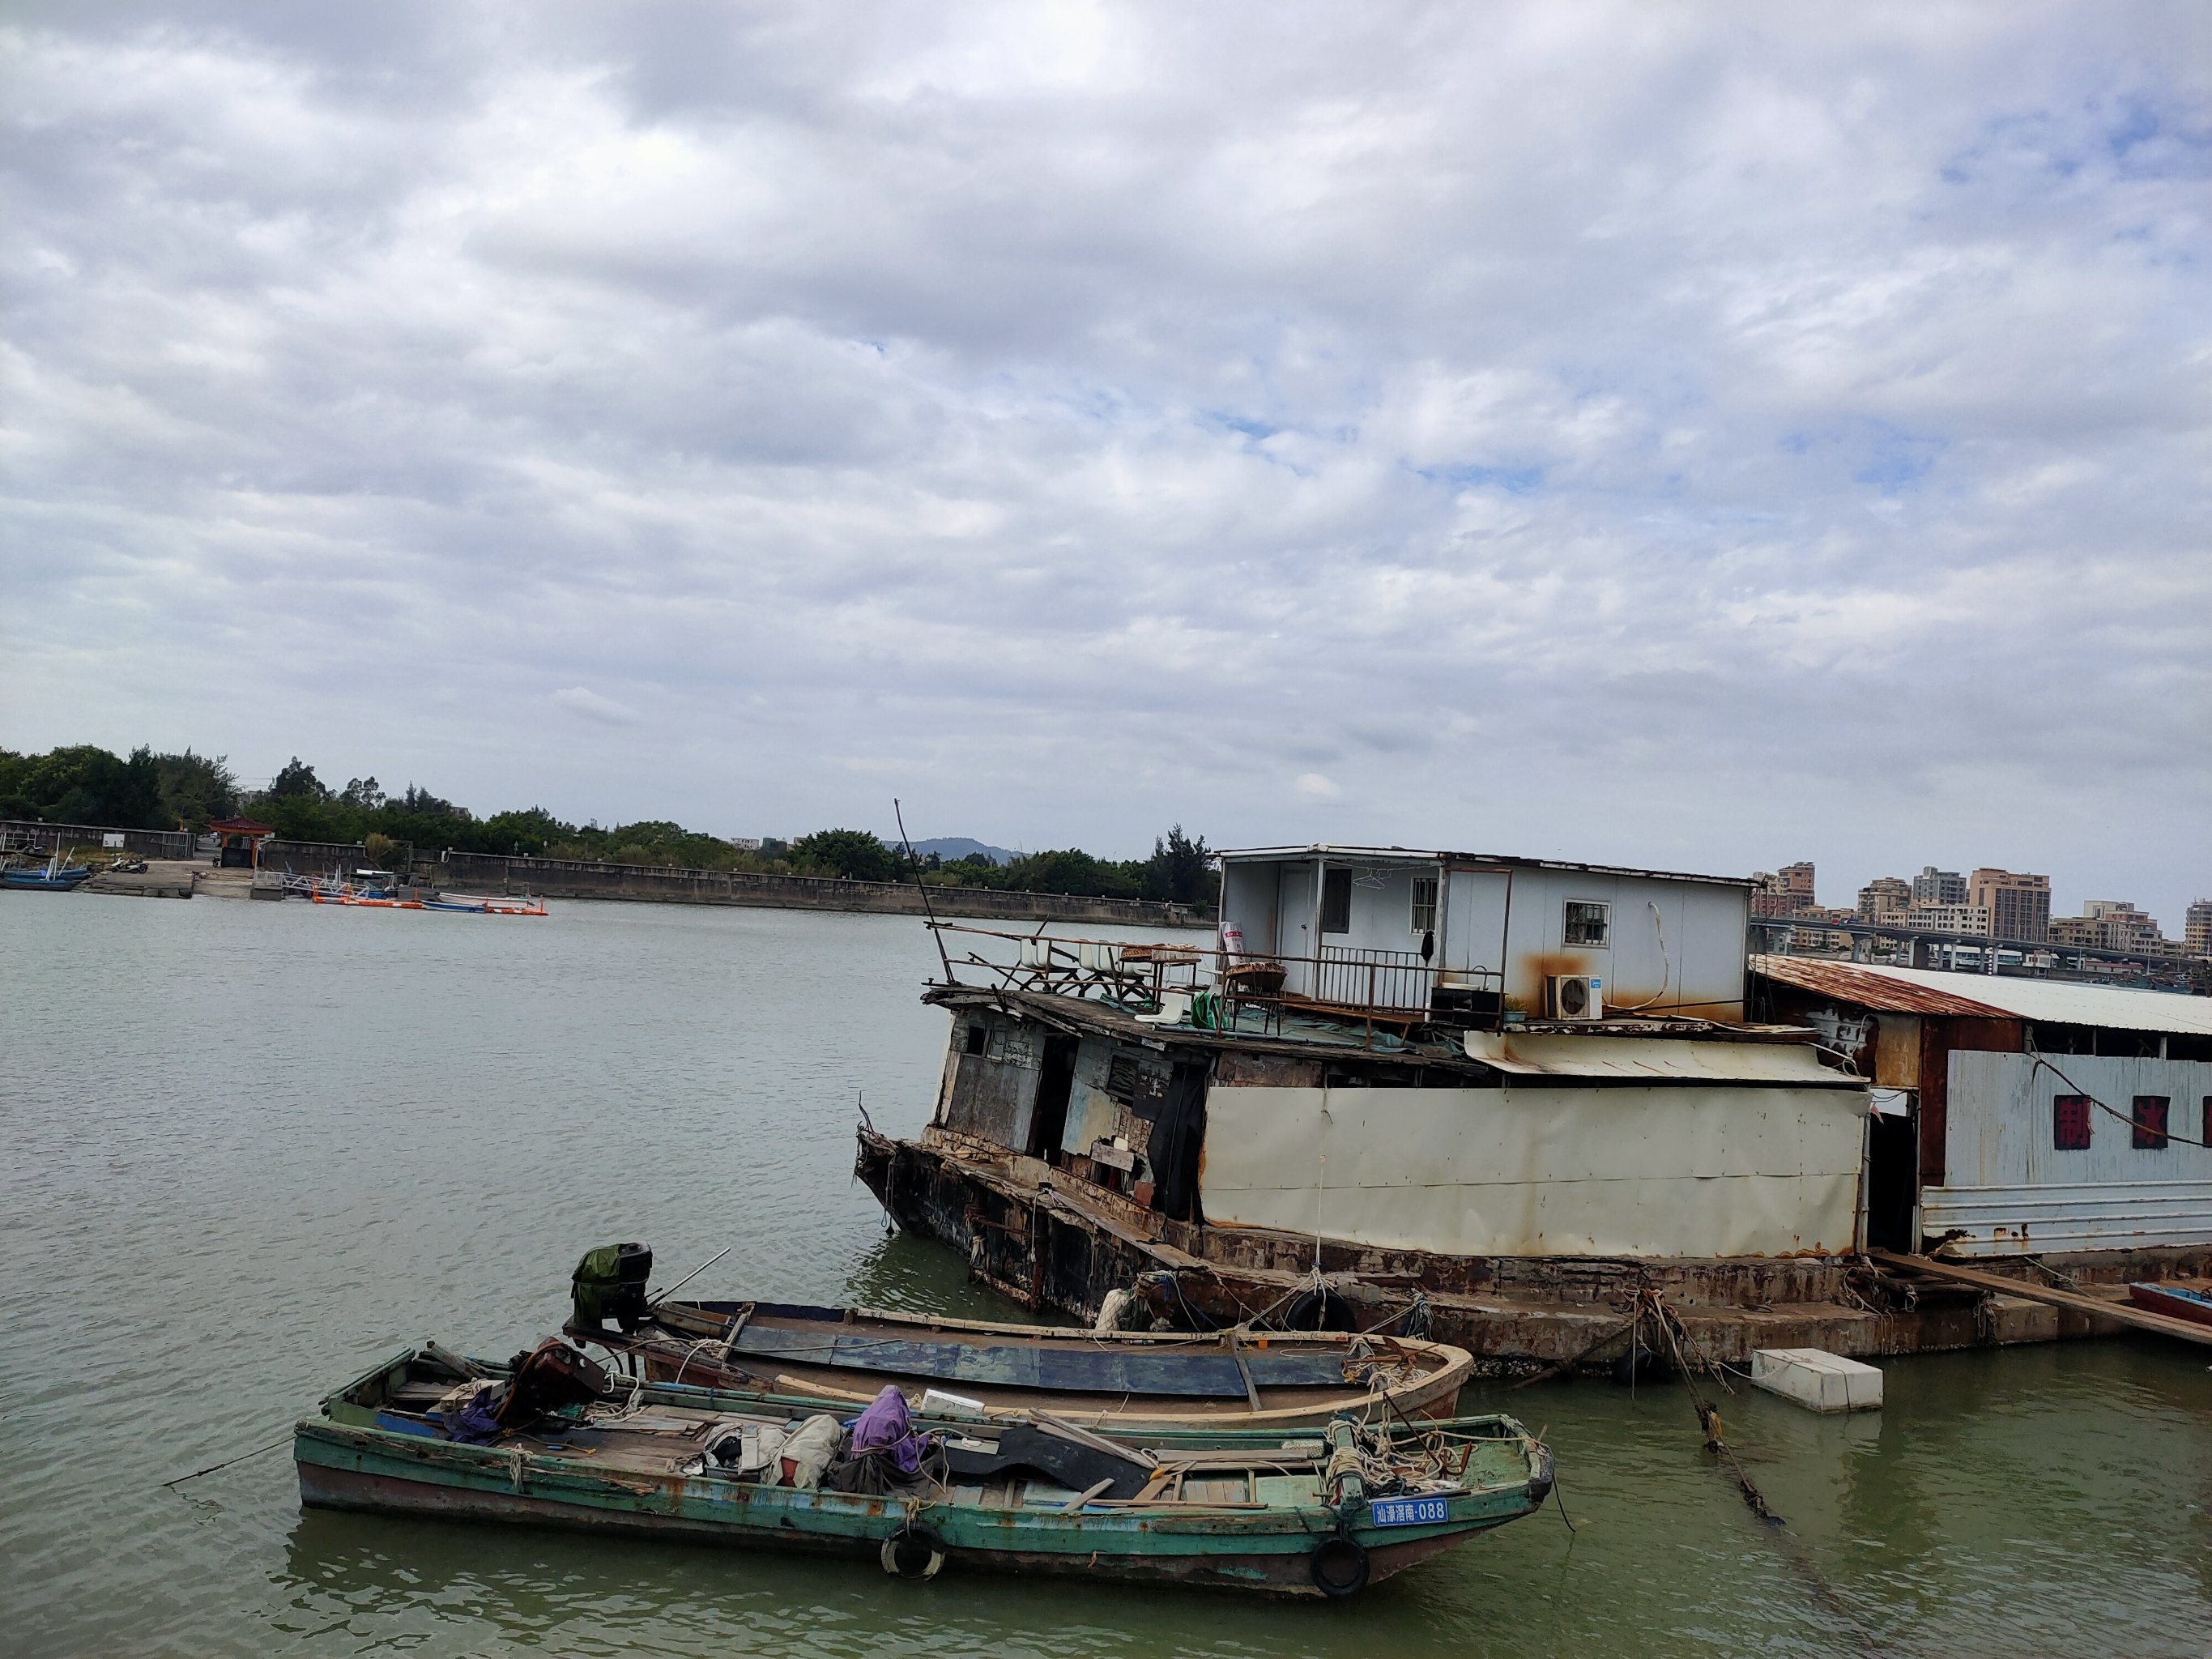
{"x":1407,"y":1511}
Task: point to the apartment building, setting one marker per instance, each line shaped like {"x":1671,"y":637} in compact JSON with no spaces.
{"x":2019,"y":905}
{"x":1885,"y":898}
{"x":1934,"y":886}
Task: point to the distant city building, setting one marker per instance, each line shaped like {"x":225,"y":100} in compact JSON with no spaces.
{"x":2111,"y":925}
{"x":746,"y":843}
{"x":2196,"y":931}
{"x":1949,"y":918}
{"x":1934,"y":886}
{"x":1885,"y":898}
{"x":2019,"y":905}
{"x":1785,"y":892}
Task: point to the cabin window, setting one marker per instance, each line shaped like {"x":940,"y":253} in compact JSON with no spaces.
{"x":1336,"y":901}
{"x":2069,"y":1123}
{"x":1122,"y":1079}
{"x":1425,"y":904}
{"x":978,"y":1036}
{"x":1588,"y":923}
{"x":2206,"y":1137}
{"x":2150,"y":1135}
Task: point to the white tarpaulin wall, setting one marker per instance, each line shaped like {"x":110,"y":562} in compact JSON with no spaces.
{"x":1668,"y":1170}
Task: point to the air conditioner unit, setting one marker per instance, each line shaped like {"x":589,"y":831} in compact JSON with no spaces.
{"x":1574,"y":996}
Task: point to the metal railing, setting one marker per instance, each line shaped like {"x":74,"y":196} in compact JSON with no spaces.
{"x":1397,"y":980}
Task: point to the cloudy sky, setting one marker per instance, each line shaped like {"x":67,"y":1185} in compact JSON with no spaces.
{"x":1697,"y":435}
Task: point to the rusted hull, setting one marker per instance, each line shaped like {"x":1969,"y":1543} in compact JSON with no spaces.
{"x":1036,"y":1236}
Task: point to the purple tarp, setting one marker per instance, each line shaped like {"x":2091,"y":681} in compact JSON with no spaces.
{"x":885,"y":1424}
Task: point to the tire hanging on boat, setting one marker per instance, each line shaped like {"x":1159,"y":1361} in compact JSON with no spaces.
{"x":1339,"y":1566}
{"x":916,"y":1553}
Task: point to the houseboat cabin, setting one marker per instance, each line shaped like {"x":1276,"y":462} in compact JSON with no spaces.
{"x":2018,"y":1116}
{"x":1455,"y":1055}
{"x":1473,"y":934}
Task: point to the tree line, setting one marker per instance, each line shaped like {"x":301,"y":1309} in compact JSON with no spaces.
{"x":84,"y":784}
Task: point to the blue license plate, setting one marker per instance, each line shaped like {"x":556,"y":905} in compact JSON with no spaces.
{"x":1408,"y":1511}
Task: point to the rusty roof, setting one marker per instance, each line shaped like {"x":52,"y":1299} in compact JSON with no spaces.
{"x":1869,"y":989}
{"x":1995,"y":996}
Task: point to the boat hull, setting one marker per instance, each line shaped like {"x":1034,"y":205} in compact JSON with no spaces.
{"x":343,"y":1468}
{"x":37,"y":881}
{"x":1122,"y":1381}
{"x":2162,"y":1300}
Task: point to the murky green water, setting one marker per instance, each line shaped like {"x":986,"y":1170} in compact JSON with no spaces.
{"x":249,"y":1149}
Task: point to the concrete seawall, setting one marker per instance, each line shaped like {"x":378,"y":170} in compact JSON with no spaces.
{"x":484,"y":872}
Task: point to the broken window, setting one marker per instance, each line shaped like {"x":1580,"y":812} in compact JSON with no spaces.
{"x":978,"y":1036}
{"x":1424,"y":903}
{"x":2069,"y":1123}
{"x":1336,"y":901}
{"x":1588,"y":923}
{"x":1122,"y":1079}
{"x":2150,"y":1135}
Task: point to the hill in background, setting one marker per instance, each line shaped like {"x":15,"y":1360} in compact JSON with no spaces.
{"x":952,"y":849}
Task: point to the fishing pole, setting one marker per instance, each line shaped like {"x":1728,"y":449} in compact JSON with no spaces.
{"x":695,"y":1273}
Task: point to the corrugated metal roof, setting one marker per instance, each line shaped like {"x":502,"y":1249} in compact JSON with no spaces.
{"x":1490,"y":860}
{"x":1658,"y":1059}
{"x":2058,"y":1002}
{"x":1856,"y":983}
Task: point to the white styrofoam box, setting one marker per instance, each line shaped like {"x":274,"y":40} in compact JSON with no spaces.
{"x":1817,"y":1381}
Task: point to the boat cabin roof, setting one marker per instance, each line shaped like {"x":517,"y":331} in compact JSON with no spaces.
{"x":1379,"y":855}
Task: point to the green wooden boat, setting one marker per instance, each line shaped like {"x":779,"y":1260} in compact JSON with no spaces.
{"x":1318,"y":1511}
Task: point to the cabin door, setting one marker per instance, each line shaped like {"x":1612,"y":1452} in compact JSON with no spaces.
{"x":1177,"y":1142}
{"x":1055,"y":1083}
{"x":1892,"y":1180}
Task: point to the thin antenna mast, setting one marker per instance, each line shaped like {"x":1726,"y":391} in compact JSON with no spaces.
{"x":923,"y":887}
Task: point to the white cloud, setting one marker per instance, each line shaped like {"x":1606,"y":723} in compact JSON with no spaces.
{"x":577,"y":699}
{"x":1312,"y":786}
{"x":1615,"y":430}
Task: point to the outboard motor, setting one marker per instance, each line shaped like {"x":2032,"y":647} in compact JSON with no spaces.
{"x":610,"y":1284}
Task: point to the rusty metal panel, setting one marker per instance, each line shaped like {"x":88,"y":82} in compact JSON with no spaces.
{"x":2058,"y":1002}
{"x":1689,"y":1170}
{"x":1863,"y":987}
{"x":991,"y":1098}
{"x":1670,"y":1060}
{"x":1897,"y":1051}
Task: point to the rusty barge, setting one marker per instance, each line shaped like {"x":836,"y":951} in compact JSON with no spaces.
{"x":1501,"y":1101}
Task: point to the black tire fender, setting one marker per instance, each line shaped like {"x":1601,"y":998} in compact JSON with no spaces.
{"x":913,"y":1553}
{"x":1339,"y":1566}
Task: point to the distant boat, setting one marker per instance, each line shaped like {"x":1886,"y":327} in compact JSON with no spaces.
{"x":525,"y":906}
{"x":2175,"y":1300}
{"x":54,"y":877}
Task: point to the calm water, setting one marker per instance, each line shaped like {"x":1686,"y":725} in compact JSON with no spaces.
{"x":250,"y":1149}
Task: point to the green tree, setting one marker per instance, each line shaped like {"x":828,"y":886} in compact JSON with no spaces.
{"x":1179,"y":869}
{"x":855,"y":854}
{"x":196,"y":789}
{"x":85,"y":784}
{"x":296,"y":780}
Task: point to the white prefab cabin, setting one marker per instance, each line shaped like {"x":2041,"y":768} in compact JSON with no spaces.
{"x":1392,"y":927}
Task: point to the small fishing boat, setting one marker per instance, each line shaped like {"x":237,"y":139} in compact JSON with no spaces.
{"x":2175,"y":1300}
{"x":53,"y":876}
{"x":524,"y":906}
{"x":554,"y":1440}
{"x":1125,"y":1381}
